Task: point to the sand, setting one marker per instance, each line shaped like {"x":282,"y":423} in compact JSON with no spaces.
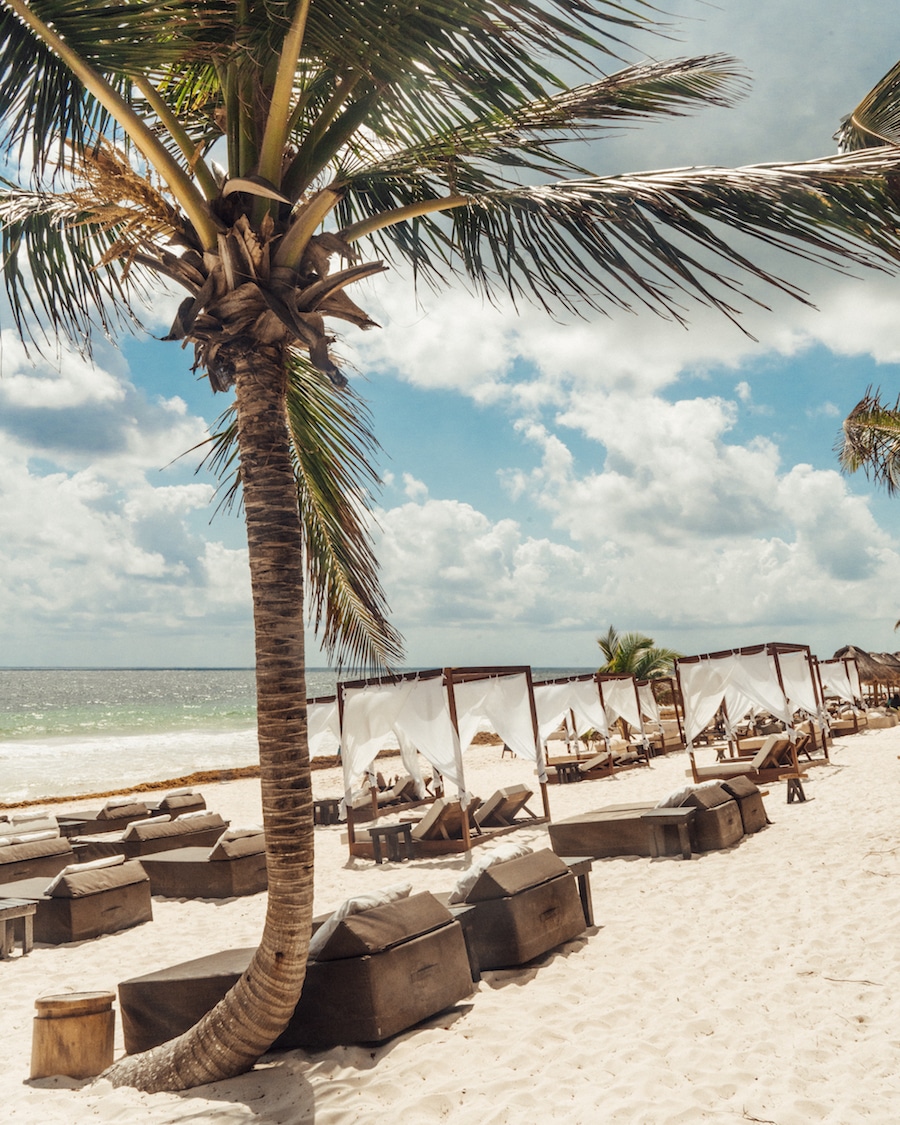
{"x":758,"y":983}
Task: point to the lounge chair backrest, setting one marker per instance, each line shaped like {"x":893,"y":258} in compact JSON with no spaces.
{"x":516,"y":875}
{"x":502,"y":806}
{"x":443,"y":814}
{"x":81,"y":884}
{"x":158,"y":827}
{"x":119,"y":809}
{"x":762,"y":755}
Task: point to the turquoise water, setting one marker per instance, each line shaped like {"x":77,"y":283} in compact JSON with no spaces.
{"x":72,"y":731}
{"x":65,"y":732}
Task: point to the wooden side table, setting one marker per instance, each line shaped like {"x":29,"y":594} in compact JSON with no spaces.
{"x":327,"y":811}
{"x":10,"y":910}
{"x":397,"y":839}
{"x":658,"y":819}
{"x":580,"y":866}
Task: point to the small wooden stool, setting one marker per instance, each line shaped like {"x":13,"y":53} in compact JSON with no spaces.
{"x":397,"y":839}
{"x":327,"y":811}
{"x":580,"y":866}
{"x":73,"y":1034}
{"x":680,"y":818}
{"x":10,"y":910}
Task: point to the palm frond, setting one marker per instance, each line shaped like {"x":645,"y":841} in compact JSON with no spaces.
{"x":870,"y":440}
{"x":529,"y":135}
{"x":646,"y":237}
{"x":61,"y":266}
{"x":876,"y":120}
{"x":333,"y":445}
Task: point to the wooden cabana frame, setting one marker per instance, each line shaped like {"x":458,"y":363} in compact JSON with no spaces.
{"x":771,"y":649}
{"x":451,"y":678}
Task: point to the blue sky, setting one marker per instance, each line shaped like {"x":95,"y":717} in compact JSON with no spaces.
{"x":542,"y":479}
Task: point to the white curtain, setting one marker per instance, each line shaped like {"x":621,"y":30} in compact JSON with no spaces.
{"x":744,"y":681}
{"x":324,"y":729}
{"x":412,"y":714}
{"x":501,"y":704}
{"x":620,"y":699}
{"x":836,"y":679}
{"x":649,"y":706}
{"x":557,"y":702}
{"x":703,"y":684}
{"x":797,"y":675}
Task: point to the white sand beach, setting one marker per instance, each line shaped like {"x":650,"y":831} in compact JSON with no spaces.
{"x":760,"y":983}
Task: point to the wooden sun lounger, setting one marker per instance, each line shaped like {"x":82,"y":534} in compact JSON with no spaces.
{"x":775,"y":759}
{"x":501,"y":808}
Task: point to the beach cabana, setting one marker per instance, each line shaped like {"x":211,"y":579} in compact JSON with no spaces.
{"x":739,"y":681}
{"x":571,"y":700}
{"x":437,"y":713}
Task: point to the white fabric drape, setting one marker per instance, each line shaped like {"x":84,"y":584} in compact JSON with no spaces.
{"x":797,"y":675}
{"x":415,"y":713}
{"x":324,"y":729}
{"x":836,"y":679}
{"x":501,"y":704}
{"x":620,"y":700}
{"x":555,"y":703}
{"x":742,"y":680}
{"x":649,"y":706}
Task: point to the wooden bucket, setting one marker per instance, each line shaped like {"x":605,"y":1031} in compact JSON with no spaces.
{"x":73,"y":1034}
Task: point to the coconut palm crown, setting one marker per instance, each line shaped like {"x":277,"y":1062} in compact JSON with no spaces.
{"x":266,"y":157}
{"x":636,"y":655}
{"x":870,"y":434}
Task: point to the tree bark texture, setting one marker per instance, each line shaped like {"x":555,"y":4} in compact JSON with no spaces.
{"x":229,"y":1039}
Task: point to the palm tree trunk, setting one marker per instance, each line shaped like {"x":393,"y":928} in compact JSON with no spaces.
{"x":229,"y":1039}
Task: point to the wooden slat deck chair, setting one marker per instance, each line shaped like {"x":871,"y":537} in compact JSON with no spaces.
{"x":444,"y":821}
{"x":501,"y":808}
{"x":775,"y":759}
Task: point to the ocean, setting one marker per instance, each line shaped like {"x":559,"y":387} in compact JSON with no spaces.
{"x":67,"y":732}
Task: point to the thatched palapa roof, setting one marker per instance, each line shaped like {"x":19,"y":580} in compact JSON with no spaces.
{"x":874,"y":668}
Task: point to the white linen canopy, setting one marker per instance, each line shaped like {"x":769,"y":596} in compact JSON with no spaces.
{"x":556,"y":701}
{"x":620,"y":700}
{"x":416,"y":710}
{"x":743,"y":679}
{"x":837,"y":679}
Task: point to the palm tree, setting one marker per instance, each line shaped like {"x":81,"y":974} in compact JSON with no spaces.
{"x":428,"y":132}
{"x":870,"y":435}
{"x":635,"y":654}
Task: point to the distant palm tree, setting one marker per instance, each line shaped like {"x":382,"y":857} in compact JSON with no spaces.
{"x":635,"y":654}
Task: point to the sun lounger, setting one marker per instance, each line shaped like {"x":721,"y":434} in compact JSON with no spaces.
{"x":618,"y":830}
{"x":443,"y":821}
{"x":179,"y":802}
{"x":31,"y":845}
{"x":380,"y":971}
{"x":115,"y":815}
{"x":775,"y":759}
{"x":156,"y":835}
{"x":233,"y":867}
{"x":85,"y":901}
{"x":517,"y":909}
{"x":502,"y":807}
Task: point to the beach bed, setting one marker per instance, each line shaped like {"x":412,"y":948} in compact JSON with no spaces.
{"x":516,"y":909}
{"x":84,"y":902}
{"x":157,"y":835}
{"x":233,"y":867}
{"x":376,"y":973}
